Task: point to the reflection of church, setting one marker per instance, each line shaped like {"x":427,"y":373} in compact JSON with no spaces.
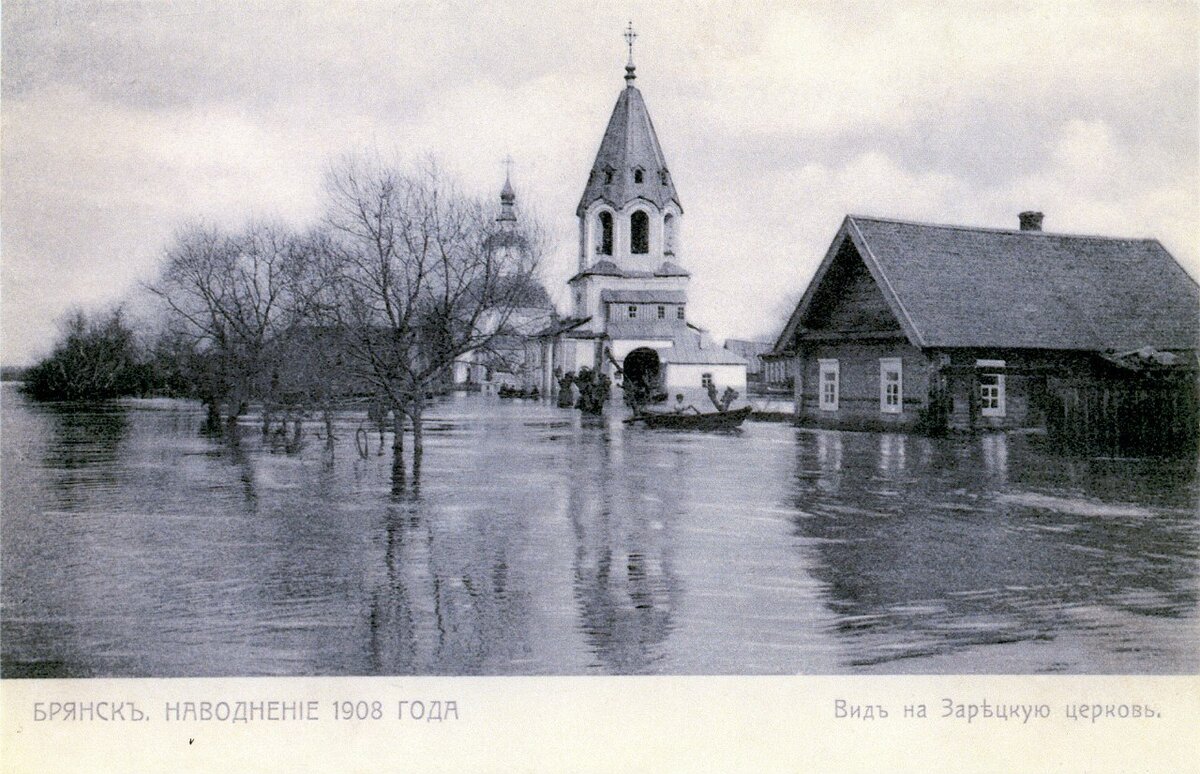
{"x":629,"y":295}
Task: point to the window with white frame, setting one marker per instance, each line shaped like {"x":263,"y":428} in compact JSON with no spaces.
{"x":991,"y":387}
{"x":662,"y":313}
{"x":891,"y":385}
{"x":829,"y":385}
{"x":632,"y":311}
{"x":706,"y":380}
{"x":679,"y":312}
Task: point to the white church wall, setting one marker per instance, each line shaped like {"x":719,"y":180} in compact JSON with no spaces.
{"x":579,"y":354}
{"x":650,"y":260}
{"x":622,"y":254}
{"x":622,"y":347}
{"x":672,"y":238}
{"x":690,"y":376}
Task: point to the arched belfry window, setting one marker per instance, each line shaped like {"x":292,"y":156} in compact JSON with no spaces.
{"x":608,"y":175}
{"x":638,"y":176}
{"x":669,"y":234}
{"x":605,"y":245}
{"x":639,"y":233}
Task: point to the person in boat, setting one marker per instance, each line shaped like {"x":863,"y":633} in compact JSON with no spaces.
{"x":679,"y":408}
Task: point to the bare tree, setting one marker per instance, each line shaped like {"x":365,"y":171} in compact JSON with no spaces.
{"x":231,"y":295}
{"x":414,"y":276}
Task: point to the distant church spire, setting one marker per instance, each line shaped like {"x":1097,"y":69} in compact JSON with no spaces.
{"x":630,"y":36}
{"x":507,"y":197}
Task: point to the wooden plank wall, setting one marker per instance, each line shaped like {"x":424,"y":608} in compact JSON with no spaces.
{"x":1142,"y":415}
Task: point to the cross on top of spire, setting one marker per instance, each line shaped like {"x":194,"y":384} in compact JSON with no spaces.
{"x":630,"y":36}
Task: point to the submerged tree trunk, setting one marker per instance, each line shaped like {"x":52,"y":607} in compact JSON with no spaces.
{"x":418,"y":436}
{"x":212,"y":421}
{"x":293,"y":446}
{"x":418,"y":447}
{"x":327,"y":414}
{"x":397,"y":436}
{"x":234,"y":411}
{"x":399,"y":477}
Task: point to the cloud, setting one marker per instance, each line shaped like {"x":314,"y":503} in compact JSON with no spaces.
{"x":1094,"y":184}
{"x":121,"y":120}
{"x":92,"y":190}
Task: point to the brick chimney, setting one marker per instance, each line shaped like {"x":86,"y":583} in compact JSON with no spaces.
{"x":1031,"y":221}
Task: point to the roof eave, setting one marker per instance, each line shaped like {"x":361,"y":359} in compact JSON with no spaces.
{"x":884,"y":284}
{"x":848,"y":230}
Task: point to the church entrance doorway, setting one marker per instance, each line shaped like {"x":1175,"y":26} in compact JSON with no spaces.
{"x":642,"y":378}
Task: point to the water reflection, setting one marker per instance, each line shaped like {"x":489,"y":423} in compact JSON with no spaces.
{"x":133,"y":545}
{"x":984,"y":546}
{"x":623,"y":582}
{"x":84,"y":444}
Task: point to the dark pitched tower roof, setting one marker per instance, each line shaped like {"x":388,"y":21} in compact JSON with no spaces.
{"x":507,"y":199}
{"x":629,"y":143}
{"x":950,"y":286}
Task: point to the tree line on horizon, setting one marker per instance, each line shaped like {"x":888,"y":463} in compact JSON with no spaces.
{"x":403,"y":274}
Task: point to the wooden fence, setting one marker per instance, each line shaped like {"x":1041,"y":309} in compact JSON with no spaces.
{"x":1146,"y":414}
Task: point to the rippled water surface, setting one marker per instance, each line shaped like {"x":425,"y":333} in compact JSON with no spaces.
{"x":132,"y":545}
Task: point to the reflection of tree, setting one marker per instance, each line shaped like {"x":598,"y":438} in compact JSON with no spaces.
{"x":624,"y":586}
{"x":392,"y":619}
{"x":938,"y":546}
{"x":448,"y":603}
{"x":236,"y":455}
{"x":85,"y":446}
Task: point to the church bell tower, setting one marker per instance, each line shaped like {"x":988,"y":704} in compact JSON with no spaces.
{"x":629,"y":214}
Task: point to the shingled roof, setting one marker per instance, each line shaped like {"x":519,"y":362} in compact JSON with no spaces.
{"x":688,"y":349}
{"x":952,"y":286}
{"x":625,"y":296}
{"x":629,"y":142}
{"x":647,"y":328}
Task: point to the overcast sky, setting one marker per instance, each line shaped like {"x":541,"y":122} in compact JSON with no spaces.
{"x":121,"y":121}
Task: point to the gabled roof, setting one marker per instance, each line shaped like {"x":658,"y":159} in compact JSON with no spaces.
{"x":747,"y":348}
{"x":561,"y":325}
{"x":650,"y":328}
{"x":686,"y":342}
{"x":952,"y":286}
{"x":687,"y":349}
{"x":629,"y":143}
{"x":618,"y":296}
{"x":751,"y":351}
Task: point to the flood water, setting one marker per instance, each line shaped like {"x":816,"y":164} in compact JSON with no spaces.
{"x":133,"y":545}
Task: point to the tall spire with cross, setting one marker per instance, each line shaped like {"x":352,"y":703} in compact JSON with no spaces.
{"x":630,"y":36}
{"x":630,"y":163}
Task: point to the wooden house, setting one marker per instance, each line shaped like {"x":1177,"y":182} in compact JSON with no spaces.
{"x":944,"y":327}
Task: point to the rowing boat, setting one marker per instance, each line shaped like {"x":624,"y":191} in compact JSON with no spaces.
{"x":716,"y":420}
